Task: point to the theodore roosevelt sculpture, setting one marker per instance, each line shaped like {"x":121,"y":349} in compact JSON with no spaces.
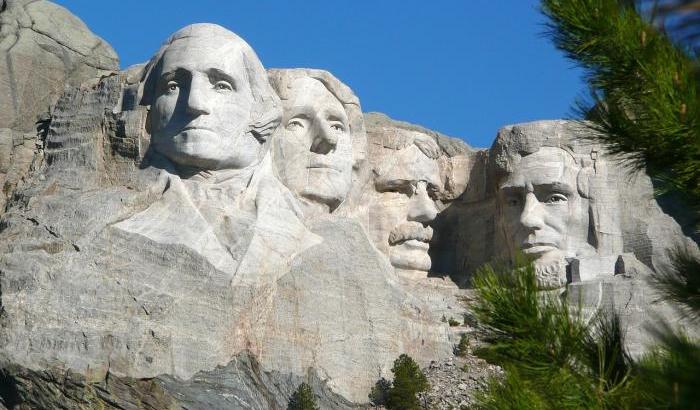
{"x":406,"y":178}
{"x":317,"y":145}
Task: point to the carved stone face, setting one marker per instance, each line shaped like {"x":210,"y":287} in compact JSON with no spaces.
{"x":202,"y":104}
{"x":313,"y":152}
{"x":542,"y":210}
{"x":404,"y":207}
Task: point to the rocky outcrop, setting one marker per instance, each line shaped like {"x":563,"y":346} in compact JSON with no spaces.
{"x":43,"y":48}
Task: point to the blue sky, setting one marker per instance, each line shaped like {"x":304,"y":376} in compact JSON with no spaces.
{"x":464,"y":68}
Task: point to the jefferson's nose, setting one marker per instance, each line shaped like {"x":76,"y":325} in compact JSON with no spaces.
{"x":421,"y":207}
{"x":197,"y":102}
{"x":324,"y":138}
{"x":532,"y":216}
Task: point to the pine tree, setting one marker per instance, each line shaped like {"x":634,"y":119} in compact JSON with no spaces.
{"x":553,"y":357}
{"x":409,"y":380}
{"x":303,"y":399}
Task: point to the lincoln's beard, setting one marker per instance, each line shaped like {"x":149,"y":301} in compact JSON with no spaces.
{"x":550,"y":273}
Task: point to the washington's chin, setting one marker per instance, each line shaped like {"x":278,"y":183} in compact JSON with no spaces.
{"x":411,"y":255}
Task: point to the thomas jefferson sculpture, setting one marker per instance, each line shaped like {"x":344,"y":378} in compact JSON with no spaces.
{"x":321,"y":140}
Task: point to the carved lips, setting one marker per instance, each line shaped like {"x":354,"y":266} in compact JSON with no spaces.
{"x":537,"y":248}
{"x":326,"y":162}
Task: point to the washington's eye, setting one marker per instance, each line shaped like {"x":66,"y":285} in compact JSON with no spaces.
{"x":295,"y":124}
{"x":223,"y":86}
{"x":338,"y":127}
{"x":555,"y":198}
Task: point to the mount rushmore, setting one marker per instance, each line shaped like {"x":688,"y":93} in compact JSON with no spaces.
{"x":200,"y":231}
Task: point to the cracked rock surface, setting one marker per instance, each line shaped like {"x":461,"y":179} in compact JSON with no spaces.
{"x":43,"y":48}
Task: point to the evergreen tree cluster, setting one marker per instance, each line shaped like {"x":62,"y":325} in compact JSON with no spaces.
{"x":409,"y":380}
{"x":554,"y":357}
{"x":303,"y":399}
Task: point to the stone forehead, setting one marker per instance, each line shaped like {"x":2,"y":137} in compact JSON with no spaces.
{"x":527,"y":138}
{"x":543,"y":165}
{"x":386,"y":140}
{"x":407,"y":160}
{"x":282,"y":81}
{"x":310,"y":91}
{"x":207,"y":31}
{"x":514,"y":142}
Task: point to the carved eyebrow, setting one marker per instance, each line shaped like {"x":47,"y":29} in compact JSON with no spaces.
{"x":511,"y":188}
{"x":172,"y":74}
{"x":334,"y":114}
{"x":387,"y":183}
{"x":217,"y":74}
{"x":301,"y":111}
{"x":555,"y":186}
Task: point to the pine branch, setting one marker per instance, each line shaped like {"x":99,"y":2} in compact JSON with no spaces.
{"x":645,"y":97}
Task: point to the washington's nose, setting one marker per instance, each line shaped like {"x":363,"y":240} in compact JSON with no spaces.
{"x":422,"y":207}
{"x":324,"y":138}
{"x":532,"y":215}
{"x":197,"y":103}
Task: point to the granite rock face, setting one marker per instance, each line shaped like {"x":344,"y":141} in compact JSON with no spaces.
{"x":199,"y":232}
{"x":43,"y":48}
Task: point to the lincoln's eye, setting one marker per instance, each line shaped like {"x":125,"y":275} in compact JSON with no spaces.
{"x":555,"y":198}
{"x":172,"y":86}
{"x":338,"y":127}
{"x":223,"y":86}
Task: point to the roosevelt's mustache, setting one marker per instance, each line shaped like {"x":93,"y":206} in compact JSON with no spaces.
{"x":410,"y":230}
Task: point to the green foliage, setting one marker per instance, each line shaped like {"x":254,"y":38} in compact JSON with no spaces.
{"x":646,"y":107}
{"x":667,"y":378}
{"x":512,"y":393}
{"x":552,"y":356}
{"x":303,"y":399}
{"x":681,"y":283}
{"x":644,"y":89}
{"x":452,"y":322}
{"x":462,"y":347}
{"x":380,"y":392}
{"x":409,"y":380}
